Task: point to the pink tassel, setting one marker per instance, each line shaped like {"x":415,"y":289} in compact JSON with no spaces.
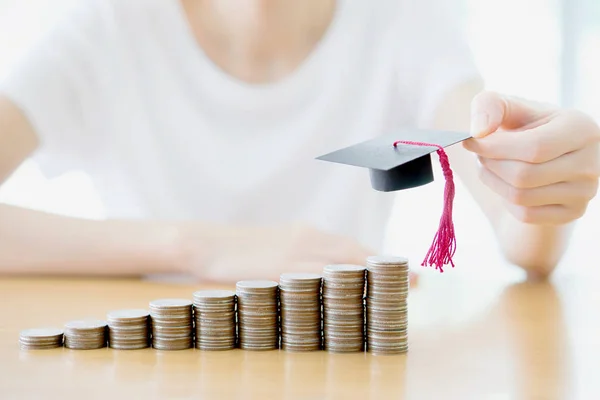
{"x":443,"y":246}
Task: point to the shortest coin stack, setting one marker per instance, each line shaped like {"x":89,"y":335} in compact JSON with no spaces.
{"x":85,"y":334}
{"x":300,"y":296}
{"x":41,"y":339}
{"x":387,"y":308}
{"x":214,"y":312}
{"x":172,"y":324}
{"x":258,"y":308}
{"x":128,"y":329}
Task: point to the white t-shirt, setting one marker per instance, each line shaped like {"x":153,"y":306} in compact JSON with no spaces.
{"x":121,"y":90}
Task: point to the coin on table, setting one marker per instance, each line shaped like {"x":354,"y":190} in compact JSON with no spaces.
{"x":85,"y":334}
{"x":387,"y":304}
{"x":172,"y":324}
{"x":215,"y":317}
{"x":85,"y":325}
{"x":40,"y":338}
{"x":343,"y":308}
{"x":129,"y":329}
{"x":300,"y":299}
{"x":256,"y":287}
{"x":169,"y":303}
{"x":126,"y":315}
{"x":299,"y":281}
{"x":387,"y":260}
{"x":212,"y":295}
{"x":258,"y":305}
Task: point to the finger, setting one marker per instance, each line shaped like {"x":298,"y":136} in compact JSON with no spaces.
{"x":558,"y":193}
{"x":491,"y":111}
{"x":547,"y":215}
{"x":579,"y":165}
{"x":566,"y":132}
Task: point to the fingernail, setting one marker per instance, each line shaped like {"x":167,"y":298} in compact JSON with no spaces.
{"x":479,"y":124}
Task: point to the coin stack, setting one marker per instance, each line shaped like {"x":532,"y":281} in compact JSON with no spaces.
{"x":300,"y":297}
{"x":343,"y":308}
{"x":172,"y":324}
{"x":40,"y":339}
{"x":85,"y":334}
{"x":214,"y":311}
{"x":128,"y":329}
{"x":387,"y":312}
{"x":258,"y":305}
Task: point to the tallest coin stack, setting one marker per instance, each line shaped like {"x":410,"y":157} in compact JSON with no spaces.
{"x":387,"y":304}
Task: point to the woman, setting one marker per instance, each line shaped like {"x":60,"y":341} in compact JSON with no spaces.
{"x":198,"y":121}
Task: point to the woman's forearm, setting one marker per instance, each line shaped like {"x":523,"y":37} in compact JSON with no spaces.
{"x":38,"y":242}
{"x":536,"y":248}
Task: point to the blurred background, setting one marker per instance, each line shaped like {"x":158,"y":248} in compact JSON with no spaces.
{"x":547,"y":50}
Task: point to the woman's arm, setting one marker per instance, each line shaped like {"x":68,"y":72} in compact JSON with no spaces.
{"x":535,"y":244}
{"x":37,"y":242}
{"x":33,"y":242}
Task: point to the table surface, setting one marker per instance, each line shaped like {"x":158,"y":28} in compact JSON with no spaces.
{"x":468,"y":340}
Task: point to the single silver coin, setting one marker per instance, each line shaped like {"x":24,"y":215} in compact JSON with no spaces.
{"x":300,"y":277}
{"x":335,"y":268}
{"x":257,"y":284}
{"x":41,"y":333}
{"x":85,"y":324}
{"x":168,"y":303}
{"x":214,"y":294}
{"x":128,"y":314}
{"x":387,"y":260}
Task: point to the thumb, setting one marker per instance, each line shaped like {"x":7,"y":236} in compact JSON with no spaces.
{"x":491,"y":111}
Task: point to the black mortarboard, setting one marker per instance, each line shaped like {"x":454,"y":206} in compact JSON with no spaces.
{"x":397,"y":167}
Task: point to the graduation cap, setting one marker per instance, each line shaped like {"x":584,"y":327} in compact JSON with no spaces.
{"x":402,"y":160}
{"x":397,"y":167}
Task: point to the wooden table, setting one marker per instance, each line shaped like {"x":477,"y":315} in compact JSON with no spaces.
{"x":468,"y":340}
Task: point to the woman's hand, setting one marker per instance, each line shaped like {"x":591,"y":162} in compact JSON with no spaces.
{"x":237,"y":253}
{"x":543,"y":161}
